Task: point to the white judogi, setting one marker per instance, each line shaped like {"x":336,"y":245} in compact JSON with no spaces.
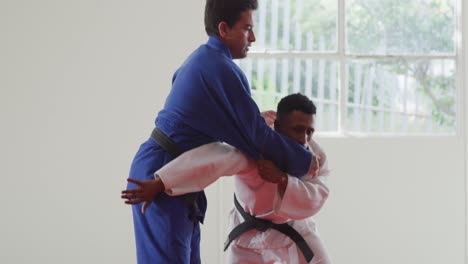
{"x":196,"y":169}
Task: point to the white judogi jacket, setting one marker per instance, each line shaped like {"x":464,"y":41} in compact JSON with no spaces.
{"x":196,"y":169}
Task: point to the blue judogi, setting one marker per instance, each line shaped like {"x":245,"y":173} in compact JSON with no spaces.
{"x":209,"y":101}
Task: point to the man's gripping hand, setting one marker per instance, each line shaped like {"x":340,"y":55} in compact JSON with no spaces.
{"x":145,"y":192}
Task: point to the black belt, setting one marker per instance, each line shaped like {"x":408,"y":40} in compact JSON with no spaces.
{"x":252,"y":222}
{"x":171,"y":147}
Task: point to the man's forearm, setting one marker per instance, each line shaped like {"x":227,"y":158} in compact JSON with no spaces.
{"x":196,"y":169}
{"x":287,"y":154}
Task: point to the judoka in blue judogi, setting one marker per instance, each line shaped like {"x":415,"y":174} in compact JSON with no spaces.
{"x":209,"y":101}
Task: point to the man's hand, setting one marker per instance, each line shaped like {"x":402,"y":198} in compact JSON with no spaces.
{"x":315,"y":167}
{"x":269,"y":172}
{"x":145,"y":192}
{"x":270,"y":117}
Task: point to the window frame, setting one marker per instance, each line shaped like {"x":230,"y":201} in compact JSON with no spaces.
{"x":341,"y":57}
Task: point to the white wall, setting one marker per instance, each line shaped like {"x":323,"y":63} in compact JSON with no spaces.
{"x":80,"y":84}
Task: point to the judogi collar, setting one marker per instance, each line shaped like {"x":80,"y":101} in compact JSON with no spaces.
{"x":215,"y":43}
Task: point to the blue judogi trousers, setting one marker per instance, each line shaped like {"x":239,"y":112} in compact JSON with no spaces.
{"x":166,"y":233}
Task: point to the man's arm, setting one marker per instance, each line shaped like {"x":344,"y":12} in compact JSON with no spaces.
{"x":196,"y":169}
{"x":218,"y":104}
{"x":192,"y":171}
{"x":300,"y":197}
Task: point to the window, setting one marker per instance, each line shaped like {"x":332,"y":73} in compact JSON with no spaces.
{"x":386,"y":67}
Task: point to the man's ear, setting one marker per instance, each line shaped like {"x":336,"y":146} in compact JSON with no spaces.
{"x":223,"y":29}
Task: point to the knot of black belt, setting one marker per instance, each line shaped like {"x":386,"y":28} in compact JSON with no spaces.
{"x":252,"y":222}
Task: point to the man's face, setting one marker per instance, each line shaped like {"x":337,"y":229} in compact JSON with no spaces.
{"x":239,"y":37}
{"x":297,"y":125}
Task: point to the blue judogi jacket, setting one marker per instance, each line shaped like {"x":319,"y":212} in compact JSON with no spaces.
{"x":213,"y":98}
{"x":210,"y":100}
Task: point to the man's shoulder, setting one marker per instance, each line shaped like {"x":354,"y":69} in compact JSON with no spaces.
{"x":207,"y":58}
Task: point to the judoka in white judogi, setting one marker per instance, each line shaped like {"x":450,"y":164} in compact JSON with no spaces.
{"x":303,"y":198}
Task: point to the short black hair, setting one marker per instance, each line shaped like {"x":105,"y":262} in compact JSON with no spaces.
{"x":228,"y":11}
{"x":295,"y":102}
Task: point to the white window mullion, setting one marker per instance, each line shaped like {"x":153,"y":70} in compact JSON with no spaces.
{"x":286,"y":40}
{"x":272,"y":64}
{"x":331,"y":120}
{"x":261,"y":80}
{"x":405,"y":104}
{"x":417,"y":105}
{"x":273,"y":44}
{"x":286,"y":25}
{"x":321,"y":83}
{"x":383,"y":85}
{"x":429,"y":123}
{"x":248,"y":71}
{"x":357,"y":109}
{"x":393,"y":105}
{"x":342,"y":93}
{"x":309,"y":67}
{"x":261,"y":40}
{"x":369,"y":85}
{"x":284,"y":76}
{"x":297,"y":76}
{"x":274,"y":24}
{"x":297,"y":47}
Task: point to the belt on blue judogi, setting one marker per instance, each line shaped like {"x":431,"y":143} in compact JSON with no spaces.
{"x":171,"y":147}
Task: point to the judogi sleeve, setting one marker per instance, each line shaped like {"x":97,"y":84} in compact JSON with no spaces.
{"x":219,"y":105}
{"x":194,"y":170}
{"x":304,"y":197}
